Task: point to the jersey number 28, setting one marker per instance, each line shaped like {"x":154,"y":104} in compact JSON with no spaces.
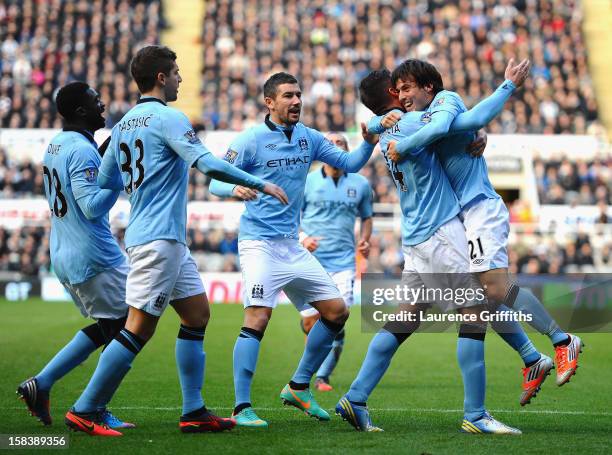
{"x":129,"y":168}
{"x":59,"y":206}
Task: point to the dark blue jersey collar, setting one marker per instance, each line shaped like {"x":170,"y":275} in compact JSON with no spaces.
{"x":84,"y":132}
{"x":148,"y":99}
{"x":274,"y":127}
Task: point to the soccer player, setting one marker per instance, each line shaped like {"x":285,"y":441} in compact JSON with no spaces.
{"x":149,"y":155}
{"x":85,"y":255}
{"x":282,"y":149}
{"x":333,"y":200}
{"x":486,"y":220}
{"x":433,"y":242}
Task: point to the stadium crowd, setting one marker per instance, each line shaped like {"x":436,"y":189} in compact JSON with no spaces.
{"x":45,"y":45}
{"x":564,"y":181}
{"x":331,"y":45}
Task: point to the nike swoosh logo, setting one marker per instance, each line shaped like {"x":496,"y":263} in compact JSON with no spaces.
{"x":88,"y":426}
{"x":305,"y":405}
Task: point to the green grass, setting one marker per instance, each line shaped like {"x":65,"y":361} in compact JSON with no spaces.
{"x":417,"y":402}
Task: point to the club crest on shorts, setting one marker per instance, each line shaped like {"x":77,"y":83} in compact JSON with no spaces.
{"x":351,"y":192}
{"x":303,"y":143}
{"x":257,"y":292}
{"x":160,"y":300}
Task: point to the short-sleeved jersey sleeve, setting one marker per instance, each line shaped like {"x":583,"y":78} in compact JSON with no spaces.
{"x":241,"y":151}
{"x":365,"y":205}
{"x":180,"y":136}
{"x":83,"y":170}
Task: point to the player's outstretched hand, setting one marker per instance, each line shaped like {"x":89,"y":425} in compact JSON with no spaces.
{"x":368,"y":137}
{"x":517,"y":73}
{"x":311,"y":243}
{"x":477,"y":147}
{"x":390,"y":119}
{"x":245,"y":194}
{"x":364,"y":248}
{"x":392,"y":152}
{"x":276,"y":191}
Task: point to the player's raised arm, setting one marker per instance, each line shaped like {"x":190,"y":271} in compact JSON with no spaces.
{"x":334,"y":156}
{"x":93,"y":201}
{"x":487,"y":109}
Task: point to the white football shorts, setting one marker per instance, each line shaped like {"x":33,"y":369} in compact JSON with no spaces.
{"x":102,"y":296}
{"x":161,"y":271}
{"x":440,"y":267}
{"x":271,"y":266}
{"x":345,"y":282}
{"x":487,"y":224}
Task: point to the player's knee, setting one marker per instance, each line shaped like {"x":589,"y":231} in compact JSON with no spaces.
{"x":337,"y":313}
{"x":308,"y":322}
{"x":257,"y":320}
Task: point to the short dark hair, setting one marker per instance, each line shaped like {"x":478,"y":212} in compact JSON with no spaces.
{"x":374,"y":91}
{"x":148,"y":63}
{"x":69,"y":98}
{"x":423,"y":73}
{"x":271,"y":85}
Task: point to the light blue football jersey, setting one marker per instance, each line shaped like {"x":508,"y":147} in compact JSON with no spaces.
{"x":283,"y":158}
{"x":151,"y":150}
{"x":468,"y":176}
{"x":329,"y":211}
{"x":427,"y":199}
{"x":80,"y":247}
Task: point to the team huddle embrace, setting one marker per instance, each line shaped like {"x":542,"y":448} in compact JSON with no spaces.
{"x":296,"y":235}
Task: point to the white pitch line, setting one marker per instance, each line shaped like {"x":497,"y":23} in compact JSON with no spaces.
{"x":430,"y":410}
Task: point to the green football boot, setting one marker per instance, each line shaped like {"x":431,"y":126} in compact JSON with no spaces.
{"x":248,"y":418}
{"x":303,"y":400}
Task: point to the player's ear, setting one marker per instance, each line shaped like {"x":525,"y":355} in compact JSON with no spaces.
{"x":80,"y":112}
{"x":393,"y":92}
{"x":269,"y":102}
{"x":428,"y":88}
{"x":161,"y":79}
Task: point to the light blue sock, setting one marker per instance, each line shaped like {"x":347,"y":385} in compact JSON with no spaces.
{"x":528,"y":303}
{"x":330,"y":362}
{"x":512,"y":333}
{"x":70,"y":356}
{"x":190,"y":362}
{"x":246,"y":351}
{"x":378,"y":358}
{"x":318,"y":345}
{"x":114,"y":363}
{"x":470,"y":354}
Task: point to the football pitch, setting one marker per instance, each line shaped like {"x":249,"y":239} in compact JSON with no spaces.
{"x":418,"y":403}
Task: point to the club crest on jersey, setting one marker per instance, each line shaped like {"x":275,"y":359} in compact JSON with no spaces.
{"x":257,"y":292}
{"x":91,"y":174}
{"x":426,"y":117}
{"x":303,"y":143}
{"x":351,"y":192}
{"x":192,"y":137}
{"x":230,"y":156}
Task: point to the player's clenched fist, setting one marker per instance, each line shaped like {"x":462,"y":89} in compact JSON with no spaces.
{"x":392,"y":152}
{"x":311,"y":243}
{"x":390,"y":119}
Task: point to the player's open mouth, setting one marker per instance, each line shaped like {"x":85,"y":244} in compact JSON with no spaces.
{"x":407,"y":104}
